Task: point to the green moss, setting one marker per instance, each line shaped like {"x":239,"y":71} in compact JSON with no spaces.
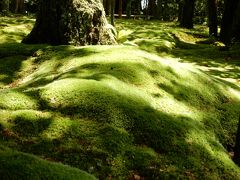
{"x":15,"y":165}
{"x":118,"y":111}
{"x":13,"y":99}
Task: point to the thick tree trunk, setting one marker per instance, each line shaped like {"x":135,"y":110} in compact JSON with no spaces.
{"x":236,"y":24}
{"x":187,"y":14}
{"x":152,"y":6}
{"x":78,"y":22}
{"x":136,"y":7}
{"x":19,"y":8}
{"x":227,"y":21}
{"x":212,"y":18}
{"x":236,"y":157}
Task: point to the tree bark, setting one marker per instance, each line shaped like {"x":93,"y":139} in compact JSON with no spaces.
{"x":212,"y":18}
{"x":19,"y":7}
{"x":180,"y":10}
{"x":120,"y":4}
{"x":236,"y":24}
{"x":159,"y":11}
{"x":187,"y":14}
{"x":227,"y":21}
{"x":106,"y":5}
{"x":77,"y":22}
{"x":129,"y":8}
{"x":152,"y":6}
{"x":112,"y":11}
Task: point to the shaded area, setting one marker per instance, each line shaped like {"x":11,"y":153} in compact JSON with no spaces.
{"x":14,"y":58}
{"x":13,"y":54}
{"x":16,"y":165}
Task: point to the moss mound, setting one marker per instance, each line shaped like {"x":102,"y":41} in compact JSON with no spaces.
{"x":15,"y":165}
{"x":120,"y":112}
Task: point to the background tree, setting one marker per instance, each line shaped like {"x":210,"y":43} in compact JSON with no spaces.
{"x":112,"y":5}
{"x":212,"y":17}
{"x":4,"y":6}
{"x":230,"y":11}
{"x":19,"y":6}
{"x":106,"y":4}
{"x":159,"y":10}
{"x":78,"y":22}
{"x":236,"y":24}
{"x":187,"y":14}
{"x":120,"y":4}
{"x":128,"y":8}
{"x":152,"y":7}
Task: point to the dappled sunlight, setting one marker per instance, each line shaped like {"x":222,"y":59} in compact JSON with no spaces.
{"x":184,"y":45}
{"x":30,"y":163}
{"x":114,"y":110}
{"x":14,"y":29}
{"x":12,"y":99}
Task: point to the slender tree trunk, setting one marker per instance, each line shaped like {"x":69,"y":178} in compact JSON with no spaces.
{"x":128,"y":8}
{"x":112,"y":11}
{"x":120,"y":4}
{"x":159,"y":10}
{"x":187,"y":14}
{"x":180,"y":11}
{"x":212,"y":18}
{"x":227,"y":21}
{"x":78,"y":22}
{"x":106,"y":4}
{"x":236,"y":157}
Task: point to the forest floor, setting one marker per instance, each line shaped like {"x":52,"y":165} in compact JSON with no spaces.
{"x":163,"y":104}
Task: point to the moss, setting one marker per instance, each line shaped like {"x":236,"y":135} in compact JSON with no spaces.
{"x":120,"y":112}
{"x":15,"y":165}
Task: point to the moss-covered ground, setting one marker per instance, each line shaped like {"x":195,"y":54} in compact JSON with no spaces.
{"x":164,"y":104}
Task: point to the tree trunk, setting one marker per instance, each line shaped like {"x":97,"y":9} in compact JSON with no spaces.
{"x":120,"y":4}
{"x":152,"y":6}
{"x":112,"y":11}
{"x":129,"y":8}
{"x":236,"y":24}
{"x":236,"y":157}
{"x":187,"y":14}
{"x":227,"y":21}
{"x":180,"y":10}
{"x":19,"y":8}
{"x":78,"y":22}
{"x":136,"y":7}
{"x":4,"y":6}
{"x":106,"y":4}
{"x":159,"y":11}
{"x":212,"y":18}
